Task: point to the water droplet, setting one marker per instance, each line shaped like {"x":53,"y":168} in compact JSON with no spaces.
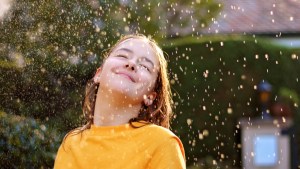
{"x":229,"y":110}
{"x":201,"y":137}
{"x":205,"y":133}
{"x":189,"y":121}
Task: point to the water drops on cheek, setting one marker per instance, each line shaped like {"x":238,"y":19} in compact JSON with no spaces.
{"x":140,"y":88}
{"x":145,"y":85}
{"x":149,"y":88}
{"x":150,"y":84}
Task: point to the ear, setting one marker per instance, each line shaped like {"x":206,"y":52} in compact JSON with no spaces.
{"x":96,"y":77}
{"x":149,"y":99}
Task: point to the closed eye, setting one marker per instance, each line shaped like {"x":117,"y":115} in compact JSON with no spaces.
{"x":145,"y":67}
{"x":122,"y":56}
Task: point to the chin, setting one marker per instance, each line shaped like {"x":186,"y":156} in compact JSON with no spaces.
{"x":124,"y":90}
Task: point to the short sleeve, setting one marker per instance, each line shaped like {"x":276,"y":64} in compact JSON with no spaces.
{"x":169,"y":155}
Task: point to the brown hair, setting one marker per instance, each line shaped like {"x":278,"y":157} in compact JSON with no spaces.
{"x":158,"y":113}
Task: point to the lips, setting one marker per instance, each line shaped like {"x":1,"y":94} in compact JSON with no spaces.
{"x":127,"y":75}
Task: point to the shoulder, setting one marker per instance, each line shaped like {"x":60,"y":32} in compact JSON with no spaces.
{"x":152,"y":128}
{"x":73,"y":136}
{"x":160,"y":134}
{"x":165,"y":139}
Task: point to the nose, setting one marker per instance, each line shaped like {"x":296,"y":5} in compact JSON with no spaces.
{"x":130,"y":66}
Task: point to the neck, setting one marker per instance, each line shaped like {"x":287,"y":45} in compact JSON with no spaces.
{"x":112,"y":110}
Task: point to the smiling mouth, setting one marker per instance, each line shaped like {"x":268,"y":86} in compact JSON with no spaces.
{"x":127,"y":76}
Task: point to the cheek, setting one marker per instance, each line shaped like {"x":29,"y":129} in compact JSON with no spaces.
{"x":147,"y":82}
{"x":105,"y":75}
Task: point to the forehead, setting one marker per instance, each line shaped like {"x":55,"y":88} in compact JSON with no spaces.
{"x":140,"y":48}
{"x":131,"y":42}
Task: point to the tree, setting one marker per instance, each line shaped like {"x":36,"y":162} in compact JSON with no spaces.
{"x":165,"y":19}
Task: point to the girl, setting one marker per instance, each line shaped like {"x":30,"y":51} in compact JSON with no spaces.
{"x":128,"y":107}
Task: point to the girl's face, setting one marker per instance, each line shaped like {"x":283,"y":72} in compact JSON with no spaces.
{"x":131,"y":69}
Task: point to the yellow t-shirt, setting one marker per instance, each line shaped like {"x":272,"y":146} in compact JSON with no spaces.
{"x":122,"y":147}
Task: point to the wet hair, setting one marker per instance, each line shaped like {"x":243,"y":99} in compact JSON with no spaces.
{"x":158,"y":113}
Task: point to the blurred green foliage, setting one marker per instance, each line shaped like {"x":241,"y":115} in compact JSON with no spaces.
{"x":49,"y":49}
{"x":26,"y":143}
{"x":215,"y":83}
{"x":213,"y":80}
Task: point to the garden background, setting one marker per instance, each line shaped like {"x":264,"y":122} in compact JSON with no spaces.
{"x":50,"y":49}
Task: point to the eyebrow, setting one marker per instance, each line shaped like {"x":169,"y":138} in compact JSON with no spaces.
{"x":130,"y":51}
{"x":127,"y":50}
